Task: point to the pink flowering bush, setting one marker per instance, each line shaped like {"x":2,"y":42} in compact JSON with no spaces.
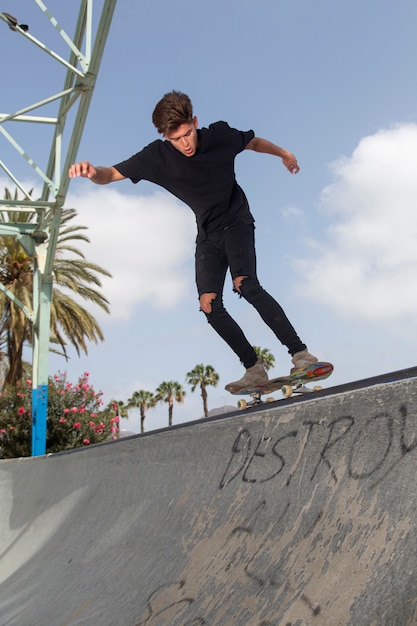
{"x":76,"y":417}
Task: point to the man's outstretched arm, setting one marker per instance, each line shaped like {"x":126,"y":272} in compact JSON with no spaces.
{"x":97,"y":174}
{"x":267,"y":147}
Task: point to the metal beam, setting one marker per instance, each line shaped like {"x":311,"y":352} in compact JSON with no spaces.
{"x":86,"y":49}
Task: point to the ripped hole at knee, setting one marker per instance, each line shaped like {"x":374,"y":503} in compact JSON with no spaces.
{"x":237,"y":284}
{"x":206,"y":302}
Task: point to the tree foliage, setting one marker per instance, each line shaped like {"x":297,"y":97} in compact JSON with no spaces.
{"x":170,"y":391}
{"x":75,"y":280}
{"x":202,"y":376}
{"x":266,"y":356}
{"x":142,"y":400}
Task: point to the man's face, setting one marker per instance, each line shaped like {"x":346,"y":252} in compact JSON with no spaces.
{"x":185,"y":138}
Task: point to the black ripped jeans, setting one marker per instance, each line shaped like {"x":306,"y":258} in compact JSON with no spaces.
{"x":234,"y":249}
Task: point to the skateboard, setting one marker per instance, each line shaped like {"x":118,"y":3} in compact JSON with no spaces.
{"x":293,"y":384}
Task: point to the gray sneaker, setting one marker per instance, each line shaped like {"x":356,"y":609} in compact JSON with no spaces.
{"x":255,"y":375}
{"x":303,"y":359}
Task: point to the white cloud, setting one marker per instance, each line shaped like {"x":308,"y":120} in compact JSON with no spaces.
{"x":367,"y":265}
{"x":292,"y":212}
{"x":145,"y":242}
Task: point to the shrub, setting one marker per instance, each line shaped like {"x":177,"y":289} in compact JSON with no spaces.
{"x":76,"y":417}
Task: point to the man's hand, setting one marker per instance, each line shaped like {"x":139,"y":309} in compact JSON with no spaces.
{"x":290,"y":162}
{"x":84,"y":169}
{"x":267,"y":147}
{"x":99,"y":175}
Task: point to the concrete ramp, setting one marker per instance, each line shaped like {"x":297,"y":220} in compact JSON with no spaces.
{"x":302,"y":513}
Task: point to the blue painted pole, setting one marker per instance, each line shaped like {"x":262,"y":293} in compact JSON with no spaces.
{"x":42,"y":298}
{"x":39,"y":419}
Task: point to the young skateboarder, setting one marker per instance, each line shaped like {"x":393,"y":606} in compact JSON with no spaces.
{"x":197,"y":166}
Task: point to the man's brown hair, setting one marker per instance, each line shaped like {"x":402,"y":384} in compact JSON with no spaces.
{"x":173,"y":110}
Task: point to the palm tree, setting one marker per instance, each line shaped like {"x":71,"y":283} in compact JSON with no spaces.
{"x":142,"y":400}
{"x":122,"y":408}
{"x":202,"y":376}
{"x":15,"y":274}
{"x":168,"y":392}
{"x":266,"y":356}
{"x":70,"y":322}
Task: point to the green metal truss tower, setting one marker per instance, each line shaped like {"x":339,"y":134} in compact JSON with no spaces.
{"x":70,"y":107}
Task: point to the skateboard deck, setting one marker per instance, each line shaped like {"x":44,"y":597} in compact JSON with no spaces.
{"x":292,"y":384}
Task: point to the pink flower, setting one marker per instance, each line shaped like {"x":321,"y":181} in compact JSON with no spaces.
{"x":77,"y":425}
{"x":74,"y":409}
{"x":21,"y":410}
{"x":62,"y":420}
{"x":86,"y":442}
{"x":66,"y":410}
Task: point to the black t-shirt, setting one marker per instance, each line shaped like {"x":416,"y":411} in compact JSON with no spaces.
{"x":206,"y":181}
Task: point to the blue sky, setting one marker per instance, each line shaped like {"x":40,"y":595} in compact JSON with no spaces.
{"x":332,"y":82}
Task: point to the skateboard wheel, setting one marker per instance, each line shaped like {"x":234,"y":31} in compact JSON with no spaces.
{"x":242,"y":404}
{"x":317,"y":388}
{"x":287,"y":391}
{"x":270,"y":399}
